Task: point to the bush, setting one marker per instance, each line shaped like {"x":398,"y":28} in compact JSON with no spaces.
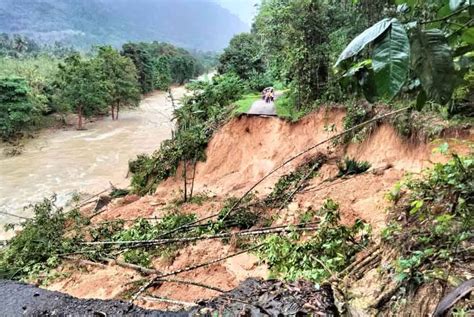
{"x":330,"y":250}
{"x":356,"y":114}
{"x":431,"y":222}
{"x":17,"y":111}
{"x":37,"y":246}
{"x":196,"y":120}
{"x":260,"y":81}
{"x":351,"y":167}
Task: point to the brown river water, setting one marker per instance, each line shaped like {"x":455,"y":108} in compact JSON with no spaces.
{"x":68,"y":161}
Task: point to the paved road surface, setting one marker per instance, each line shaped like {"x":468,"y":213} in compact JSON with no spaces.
{"x":20,"y":299}
{"x":260,"y":107}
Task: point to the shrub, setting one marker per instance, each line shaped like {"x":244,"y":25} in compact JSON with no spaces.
{"x":431,"y":223}
{"x":330,"y":250}
{"x":352,"y":166}
{"x":17,"y":111}
{"x":37,"y":246}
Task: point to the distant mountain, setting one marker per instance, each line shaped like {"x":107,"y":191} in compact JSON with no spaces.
{"x":197,"y":24}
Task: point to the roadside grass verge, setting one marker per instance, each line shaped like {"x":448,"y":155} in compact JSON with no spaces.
{"x":285,"y":108}
{"x":245,"y":103}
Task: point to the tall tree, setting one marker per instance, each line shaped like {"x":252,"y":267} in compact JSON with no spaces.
{"x":242,"y":56}
{"x":121,"y":74}
{"x":295,"y":35}
{"x":82,"y":87}
{"x":17,"y":111}
{"x":143,"y":63}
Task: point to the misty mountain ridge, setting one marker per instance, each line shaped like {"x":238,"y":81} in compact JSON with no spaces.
{"x":195,"y":24}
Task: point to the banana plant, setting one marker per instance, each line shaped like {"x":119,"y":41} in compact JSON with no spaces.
{"x":424,"y":51}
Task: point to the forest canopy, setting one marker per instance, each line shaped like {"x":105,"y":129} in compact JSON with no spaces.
{"x":41,"y":81}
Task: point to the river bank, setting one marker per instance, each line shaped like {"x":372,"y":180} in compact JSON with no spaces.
{"x":67,"y":161}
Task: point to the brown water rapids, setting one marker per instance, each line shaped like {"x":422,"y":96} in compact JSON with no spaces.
{"x":68,"y":161}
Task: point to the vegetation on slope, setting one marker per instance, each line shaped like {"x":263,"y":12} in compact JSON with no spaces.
{"x":196,"y":120}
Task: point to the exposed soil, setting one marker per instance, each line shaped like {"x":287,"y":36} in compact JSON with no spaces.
{"x":242,"y":152}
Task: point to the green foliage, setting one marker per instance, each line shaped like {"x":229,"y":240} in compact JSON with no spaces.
{"x":356,"y":113}
{"x":242,"y":57}
{"x":297,"y":37}
{"x":36,"y":247}
{"x":196,"y":120}
{"x":287,"y":184}
{"x":432,"y":59}
{"x":390,"y":61}
{"x":286,"y":108}
{"x":241,"y":217}
{"x":17,"y":45}
{"x":119,"y":192}
{"x":82,"y":87}
{"x":318,"y":257}
{"x":143,"y":63}
{"x":142,"y":229}
{"x":121,"y":75}
{"x":352,"y":167}
{"x":106,"y":230}
{"x":363,"y":39}
{"x":243,"y":105}
{"x":17,"y":111}
{"x":161,"y":64}
{"x":260,"y":81}
{"x":138,"y":257}
{"x":436,"y":227}
{"x":436,"y":34}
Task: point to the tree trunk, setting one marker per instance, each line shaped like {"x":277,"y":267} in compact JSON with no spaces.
{"x":113,"y":115}
{"x":118,"y":110}
{"x":194,"y":176}
{"x":185,"y":197}
{"x":79,"y":118}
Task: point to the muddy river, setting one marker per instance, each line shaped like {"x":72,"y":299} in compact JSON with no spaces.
{"x":68,"y":161}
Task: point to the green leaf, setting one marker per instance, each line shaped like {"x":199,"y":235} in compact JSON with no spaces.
{"x":363,"y":39}
{"x":390,"y":61}
{"x":367,"y":63}
{"x":432,"y":61}
{"x":468,"y":36}
{"x":455,"y":4}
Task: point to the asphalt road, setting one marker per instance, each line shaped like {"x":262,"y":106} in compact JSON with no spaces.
{"x":260,"y":107}
{"x":18,"y":299}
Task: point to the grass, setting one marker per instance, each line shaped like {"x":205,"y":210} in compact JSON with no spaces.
{"x":245,"y":103}
{"x":285,"y":108}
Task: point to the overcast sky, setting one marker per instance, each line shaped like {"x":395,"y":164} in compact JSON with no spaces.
{"x":244,"y":9}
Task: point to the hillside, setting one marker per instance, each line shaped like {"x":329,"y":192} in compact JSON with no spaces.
{"x":200,"y":24}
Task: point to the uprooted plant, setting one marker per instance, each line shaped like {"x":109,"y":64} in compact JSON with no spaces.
{"x":290,"y":183}
{"x":351,"y":166}
{"x":37,"y":248}
{"x":318,"y":257}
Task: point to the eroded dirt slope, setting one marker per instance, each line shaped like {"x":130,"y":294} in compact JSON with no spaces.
{"x":241,"y":153}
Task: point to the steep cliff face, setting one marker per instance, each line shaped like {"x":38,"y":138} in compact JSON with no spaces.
{"x":200,"y":24}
